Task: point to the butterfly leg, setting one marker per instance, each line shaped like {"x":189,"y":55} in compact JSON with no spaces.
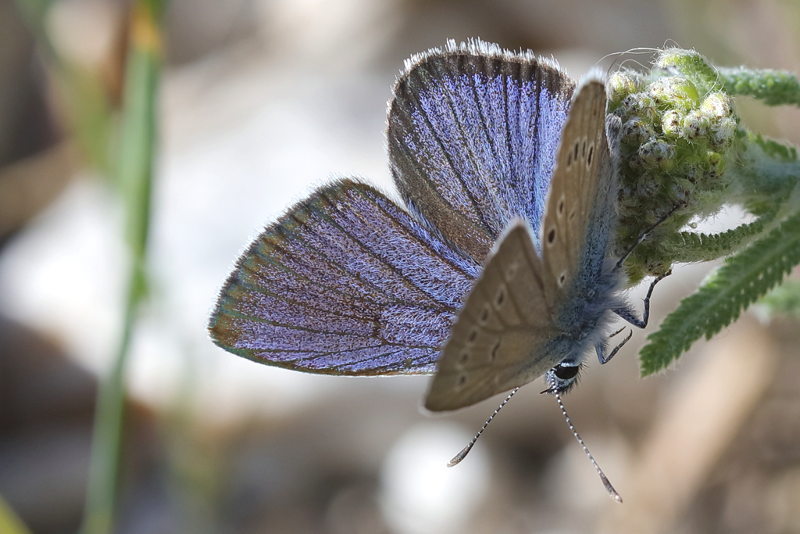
{"x":616,"y":332}
{"x":600,"y":348}
{"x":628,"y":314}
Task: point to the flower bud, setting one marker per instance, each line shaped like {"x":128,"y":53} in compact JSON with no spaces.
{"x":695,"y":124}
{"x":724,"y":131}
{"x":690,"y":64}
{"x":671,"y":123}
{"x":637,"y":131}
{"x":640,"y":104}
{"x":717,"y":105}
{"x":675,"y":92}
{"x":656,"y":153}
{"x":621,"y":84}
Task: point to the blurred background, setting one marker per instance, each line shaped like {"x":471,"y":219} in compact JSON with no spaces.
{"x":260,"y":101}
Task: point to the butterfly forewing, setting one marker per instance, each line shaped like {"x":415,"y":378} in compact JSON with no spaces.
{"x":582,"y":169}
{"x":495,"y":340}
{"x":472,"y":136}
{"x":345,"y":283}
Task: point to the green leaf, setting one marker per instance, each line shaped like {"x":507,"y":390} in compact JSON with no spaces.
{"x":688,"y":247}
{"x":743,"y":279}
{"x":773,"y":87}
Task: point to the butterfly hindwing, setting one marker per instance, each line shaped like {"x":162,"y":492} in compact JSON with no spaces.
{"x":345,"y":283}
{"x":472,"y":136}
{"x":496,"y":340}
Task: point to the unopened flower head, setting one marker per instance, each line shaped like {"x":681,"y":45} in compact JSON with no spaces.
{"x":678,"y":131}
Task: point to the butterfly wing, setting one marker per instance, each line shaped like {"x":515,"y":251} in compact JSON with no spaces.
{"x":497,"y":344}
{"x":497,"y":341}
{"x":472,"y":135}
{"x":345,"y":283}
{"x":579,"y":207}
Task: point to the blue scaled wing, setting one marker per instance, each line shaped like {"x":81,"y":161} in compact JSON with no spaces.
{"x":345,"y":283}
{"x":472,"y":133}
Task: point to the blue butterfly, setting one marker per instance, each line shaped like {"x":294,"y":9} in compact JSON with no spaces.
{"x":498,"y":269}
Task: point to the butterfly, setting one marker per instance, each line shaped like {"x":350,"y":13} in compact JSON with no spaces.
{"x":498,"y":267}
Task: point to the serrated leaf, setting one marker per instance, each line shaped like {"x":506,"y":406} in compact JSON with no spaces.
{"x":687,"y":247}
{"x":743,"y":279}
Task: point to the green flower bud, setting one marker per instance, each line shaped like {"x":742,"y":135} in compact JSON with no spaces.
{"x":640,"y":104}
{"x":723,"y":132}
{"x":675,"y":92}
{"x":717,"y":105}
{"x":672,"y":123}
{"x":689,"y":63}
{"x":621,"y":84}
{"x":656,"y":153}
{"x":695,"y":124}
{"x":637,"y":131}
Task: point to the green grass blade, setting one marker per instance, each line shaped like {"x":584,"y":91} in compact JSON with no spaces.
{"x":134,"y":172}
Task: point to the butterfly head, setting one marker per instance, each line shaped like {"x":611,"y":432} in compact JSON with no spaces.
{"x":562,"y":377}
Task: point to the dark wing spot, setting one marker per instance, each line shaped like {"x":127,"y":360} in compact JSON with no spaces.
{"x":501,"y":297}
{"x":493,"y":353}
{"x":562,"y":278}
{"x":577,"y":147}
{"x":462,"y":379}
{"x":485,"y":314}
{"x":589,"y":157}
{"x":472,"y":335}
{"x":464,"y":357}
{"x":560,"y":209}
{"x":551,"y":236}
{"x":572,"y":215}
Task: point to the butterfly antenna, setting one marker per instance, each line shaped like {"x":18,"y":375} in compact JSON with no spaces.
{"x":463,"y":454}
{"x":611,"y":491}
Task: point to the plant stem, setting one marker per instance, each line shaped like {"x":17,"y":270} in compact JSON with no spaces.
{"x":135,"y":165}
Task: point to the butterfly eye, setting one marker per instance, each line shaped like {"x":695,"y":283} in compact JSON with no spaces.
{"x":565,"y":372}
